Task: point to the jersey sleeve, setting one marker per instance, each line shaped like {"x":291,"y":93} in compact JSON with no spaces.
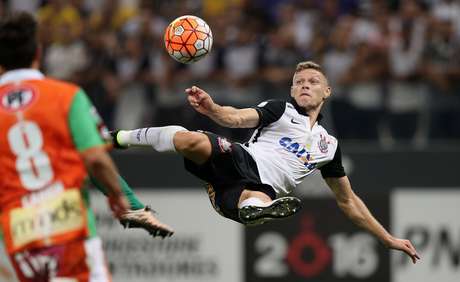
{"x":270,"y":111}
{"x":334,"y":168}
{"x":83,"y":123}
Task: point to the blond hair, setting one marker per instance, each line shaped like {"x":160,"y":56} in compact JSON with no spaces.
{"x":310,"y":65}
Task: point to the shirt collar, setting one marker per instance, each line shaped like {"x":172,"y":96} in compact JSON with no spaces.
{"x":301,"y":110}
{"x":20,"y":75}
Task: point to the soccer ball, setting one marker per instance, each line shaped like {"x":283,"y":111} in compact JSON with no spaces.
{"x":188,"y":39}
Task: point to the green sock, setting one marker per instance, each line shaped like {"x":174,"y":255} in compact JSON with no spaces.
{"x":134,"y":202}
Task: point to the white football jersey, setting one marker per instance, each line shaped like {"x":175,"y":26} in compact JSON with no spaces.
{"x":286,"y":149}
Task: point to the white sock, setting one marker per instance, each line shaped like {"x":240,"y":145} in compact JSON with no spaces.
{"x":160,"y":138}
{"x":253,"y":201}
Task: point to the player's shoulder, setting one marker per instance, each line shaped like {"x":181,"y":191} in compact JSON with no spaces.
{"x":272,"y":103}
{"x":270,"y":111}
{"x":64,"y":87}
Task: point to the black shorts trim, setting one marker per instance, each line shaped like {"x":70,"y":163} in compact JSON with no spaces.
{"x":229,"y":170}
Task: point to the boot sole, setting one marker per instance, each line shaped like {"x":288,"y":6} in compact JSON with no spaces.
{"x":280,"y":208}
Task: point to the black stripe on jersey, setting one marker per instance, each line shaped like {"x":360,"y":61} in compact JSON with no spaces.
{"x":256,"y":136}
{"x":269,"y":112}
{"x":334,"y":168}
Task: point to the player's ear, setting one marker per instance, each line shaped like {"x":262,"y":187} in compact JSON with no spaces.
{"x":327,"y":93}
{"x":292,"y":90}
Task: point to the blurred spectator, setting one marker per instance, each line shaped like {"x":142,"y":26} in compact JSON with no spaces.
{"x":304,"y":25}
{"x":66,"y":56}
{"x":51,"y":15}
{"x":449,"y":9}
{"x":366,"y":75}
{"x":241,"y":66}
{"x":99,"y":78}
{"x":406,"y":90}
{"x":337,"y":62}
{"x":113,"y":15}
{"x":441,"y":68}
{"x":134,"y":104}
{"x":213,"y":8}
{"x":329,"y":12}
{"x":279,"y":56}
{"x":364,"y":83}
{"x":29,"y":6}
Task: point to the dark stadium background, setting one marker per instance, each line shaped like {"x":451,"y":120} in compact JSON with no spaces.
{"x":394,"y":67}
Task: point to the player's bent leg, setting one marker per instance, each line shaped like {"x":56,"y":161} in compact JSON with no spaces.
{"x":250,"y":207}
{"x":257,"y":210}
{"x":193,"y":145}
{"x":160,"y":138}
{"x":252,"y":196}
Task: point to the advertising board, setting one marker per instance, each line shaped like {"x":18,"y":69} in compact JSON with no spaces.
{"x":205,"y":248}
{"x":317,"y":244}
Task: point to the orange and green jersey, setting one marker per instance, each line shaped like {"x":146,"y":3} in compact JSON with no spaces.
{"x":44,"y":125}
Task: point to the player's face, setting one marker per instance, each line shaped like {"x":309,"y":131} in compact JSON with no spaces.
{"x":310,"y":89}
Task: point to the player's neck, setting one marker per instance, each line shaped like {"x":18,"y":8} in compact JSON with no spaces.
{"x":313,"y":116}
{"x":35,"y":65}
{"x":312,"y":113}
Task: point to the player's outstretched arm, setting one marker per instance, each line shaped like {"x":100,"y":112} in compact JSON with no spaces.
{"x":357,"y":211}
{"x":132,"y":214}
{"x":102,"y":168}
{"x":223,"y":115}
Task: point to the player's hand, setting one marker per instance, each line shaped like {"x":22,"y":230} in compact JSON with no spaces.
{"x":118,"y":204}
{"x":199,"y":100}
{"x":405,"y":246}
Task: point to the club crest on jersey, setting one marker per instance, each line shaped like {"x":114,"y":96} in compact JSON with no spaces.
{"x":323,"y":144}
{"x":17,"y":98}
{"x":224,"y":145}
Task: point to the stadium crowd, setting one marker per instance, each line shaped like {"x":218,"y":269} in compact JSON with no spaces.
{"x":394,"y":66}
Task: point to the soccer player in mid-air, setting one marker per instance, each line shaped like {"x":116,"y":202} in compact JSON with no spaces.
{"x":250,"y":182}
